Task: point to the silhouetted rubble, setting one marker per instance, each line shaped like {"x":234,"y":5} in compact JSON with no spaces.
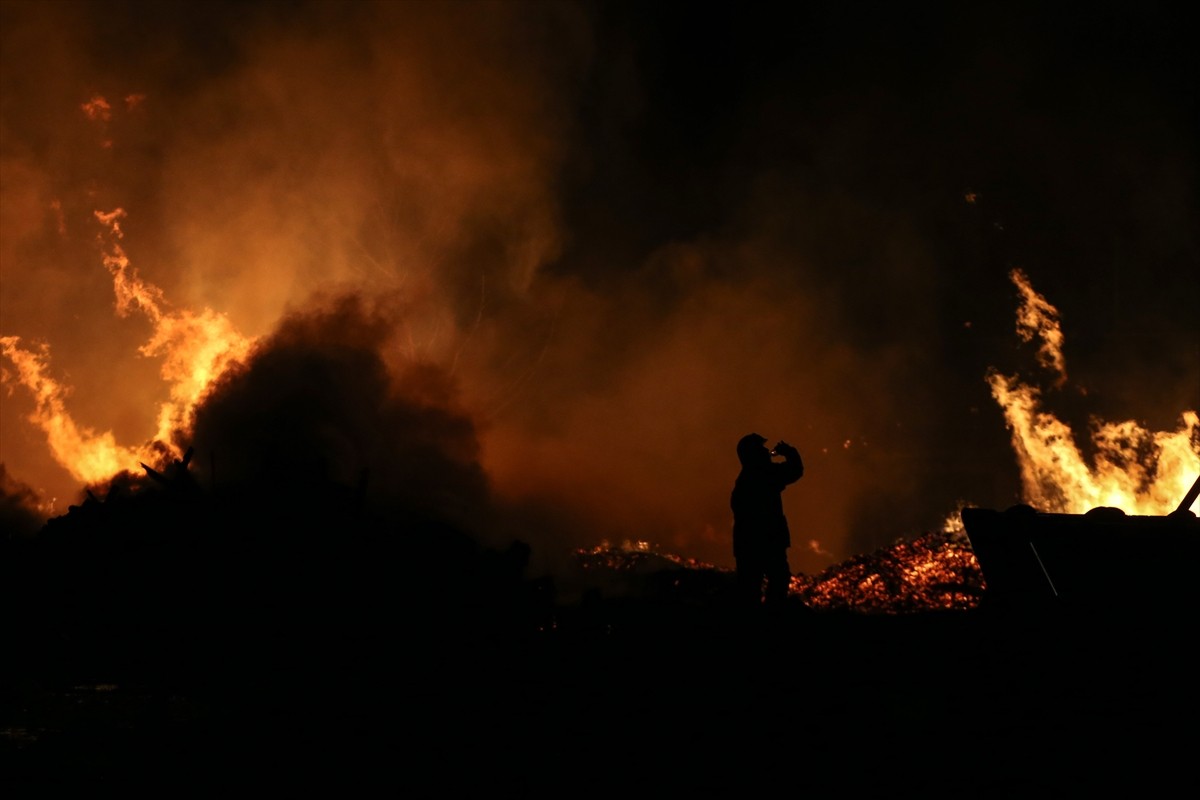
{"x":1100,"y":561}
{"x":158,"y":579}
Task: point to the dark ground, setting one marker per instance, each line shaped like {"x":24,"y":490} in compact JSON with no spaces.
{"x":958,"y":705}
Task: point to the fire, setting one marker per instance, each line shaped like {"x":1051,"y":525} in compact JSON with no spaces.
{"x":1037,"y":318}
{"x":196,"y":349}
{"x":1133,"y":469}
{"x":89,"y":456}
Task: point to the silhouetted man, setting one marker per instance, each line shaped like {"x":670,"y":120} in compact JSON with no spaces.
{"x":760,"y":530}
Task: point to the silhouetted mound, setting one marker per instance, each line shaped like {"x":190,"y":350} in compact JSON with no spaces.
{"x":317,"y":407}
{"x":162,"y":581}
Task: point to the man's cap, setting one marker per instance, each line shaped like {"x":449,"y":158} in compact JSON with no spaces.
{"x":749,"y":443}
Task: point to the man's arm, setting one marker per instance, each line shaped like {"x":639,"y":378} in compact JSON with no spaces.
{"x":792,"y":468}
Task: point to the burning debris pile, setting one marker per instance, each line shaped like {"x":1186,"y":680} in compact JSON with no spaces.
{"x":934,"y":572}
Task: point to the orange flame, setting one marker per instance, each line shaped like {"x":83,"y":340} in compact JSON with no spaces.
{"x":196,"y":349}
{"x":1037,"y":318}
{"x":89,"y":456}
{"x":1133,"y":469}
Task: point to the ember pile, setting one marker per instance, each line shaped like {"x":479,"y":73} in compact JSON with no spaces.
{"x":934,"y":572}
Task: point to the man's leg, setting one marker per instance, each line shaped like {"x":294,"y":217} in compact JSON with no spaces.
{"x":749,"y":582}
{"x":779,"y":578}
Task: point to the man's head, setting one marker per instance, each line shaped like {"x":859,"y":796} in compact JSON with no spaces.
{"x":751,"y":449}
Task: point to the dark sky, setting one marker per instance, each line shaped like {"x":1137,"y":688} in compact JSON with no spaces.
{"x":630,"y":232}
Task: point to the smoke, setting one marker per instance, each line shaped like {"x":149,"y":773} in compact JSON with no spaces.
{"x":316,"y":405}
{"x":264,"y":153}
{"x":592,"y":245}
{"x":20,"y":512}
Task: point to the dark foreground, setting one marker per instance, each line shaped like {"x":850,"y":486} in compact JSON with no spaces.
{"x":175,"y":642}
{"x":631,"y":696}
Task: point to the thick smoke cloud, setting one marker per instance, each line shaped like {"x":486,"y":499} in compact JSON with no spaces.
{"x":316,"y":405}
{"x":626,"y":235}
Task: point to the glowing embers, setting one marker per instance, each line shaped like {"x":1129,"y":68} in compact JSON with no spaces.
{"x":935,"y":572}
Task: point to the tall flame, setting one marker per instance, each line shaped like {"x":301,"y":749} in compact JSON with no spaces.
{"x":1133,"y":469}
{"x":196,"y":349}
{"x":1037,"y":318}
{"x":89,"y":456}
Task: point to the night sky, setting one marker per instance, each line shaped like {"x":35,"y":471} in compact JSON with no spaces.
{"x":596,"y":243}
